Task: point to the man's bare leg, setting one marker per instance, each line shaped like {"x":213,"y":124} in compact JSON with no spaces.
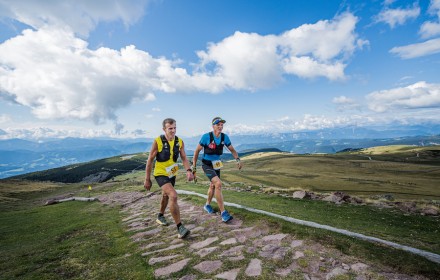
{"x":171,"y":194}
{"x":163,"y":203}
{"x":218,"y":193}
{"x":210,"y":193}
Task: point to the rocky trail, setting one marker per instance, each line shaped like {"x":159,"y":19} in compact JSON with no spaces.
{"x":215,"y":250}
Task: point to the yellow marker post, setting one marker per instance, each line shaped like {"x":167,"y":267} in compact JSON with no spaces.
{"x":90,"y":189}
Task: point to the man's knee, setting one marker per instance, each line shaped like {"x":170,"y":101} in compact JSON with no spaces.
{"x":218,"y":185}
{"x":172,"y":197}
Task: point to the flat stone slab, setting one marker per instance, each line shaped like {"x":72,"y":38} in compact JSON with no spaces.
{"x":208,"y":266}
{"x":206,"y":251}
{"x":140,"y":235}
{"x":274,"y":237}
{"x":233,"y":252}
{"x":358,"y":267}
{"x":229,"y":241}
{"x":197,"y":229}
{"x":268,"y":250}
{"x":162,"y":259}
{"x":298,"y":254}
{"x":296,"y":243}
{"x":172,"y":268}
{"x":204,"y":243}
{"x":172,"y":247}
{"x":335,"y":272}
{"x":254,"y":268}
{"x":229,"y":275}
{"x":280,"y":253}
{"x":148,"y":246}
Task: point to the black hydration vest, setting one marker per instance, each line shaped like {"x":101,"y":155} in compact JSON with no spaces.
{"x":216,"y":149}
{"x":165,"y":154}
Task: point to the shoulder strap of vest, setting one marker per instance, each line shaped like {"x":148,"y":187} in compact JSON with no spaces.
{"x":211,"y":137}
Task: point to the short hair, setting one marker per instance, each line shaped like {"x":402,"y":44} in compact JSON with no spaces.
{"x":168,"y":120}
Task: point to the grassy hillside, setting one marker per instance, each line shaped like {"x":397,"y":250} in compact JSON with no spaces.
{"x":405,"y":172}
{"x":75,"y":173}
{"x":78,"y":240}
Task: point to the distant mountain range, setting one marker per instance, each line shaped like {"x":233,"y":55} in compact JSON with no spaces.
{"x":18,"y":156}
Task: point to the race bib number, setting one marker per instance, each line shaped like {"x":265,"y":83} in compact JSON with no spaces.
{"x":172,"y":170}
{"x":217,"y":164}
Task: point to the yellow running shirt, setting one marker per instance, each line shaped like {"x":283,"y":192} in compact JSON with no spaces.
{"x":160,"y":168}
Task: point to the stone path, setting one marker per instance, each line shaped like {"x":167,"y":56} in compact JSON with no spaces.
{"x":215,"y":250}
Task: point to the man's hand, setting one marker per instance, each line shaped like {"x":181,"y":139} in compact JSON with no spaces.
{"x":239,"y":164}
{"x":189,"y":175}
{"x":147,"y":184}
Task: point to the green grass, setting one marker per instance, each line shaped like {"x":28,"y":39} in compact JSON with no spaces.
{"x":350,"y":173}
{"x":74,"y":240}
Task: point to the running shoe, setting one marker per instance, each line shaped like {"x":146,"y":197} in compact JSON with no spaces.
{"x":208,"y":208}
{"x":183,"y":232}
{"x":162,"y":221}
{"x":226,"y":217}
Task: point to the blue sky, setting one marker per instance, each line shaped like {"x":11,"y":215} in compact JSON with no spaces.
{"x":118,"y":68}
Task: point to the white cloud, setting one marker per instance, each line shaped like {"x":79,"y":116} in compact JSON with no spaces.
{"x":388,"y":2}
{"x":415,"y":96}
{"x":434,"y":7}
{"x":399,"y":16}
{"x":343,"y":100}
{"x":54,"y":73}
{"x":5,"y":118}
{"x":344,"y":103}
{"x":43,"y":132}
{"x":417,"y":50}
{"x":155,"y":109}
{"x":431,"y":28}
{"x":79,"y":16}
{"x":244,"y":60}
{"x":249,"y":60}
{"x":286,"y":124}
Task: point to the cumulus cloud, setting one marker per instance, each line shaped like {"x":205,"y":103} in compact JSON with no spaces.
{"x":55,"y":74}
{"x":417,"y":50}
{"x":415,"y":96}
{"x":249,"y":60}
{"x":53,"y":71}
{"x":399,"y":16}
{"x":79,"y":16}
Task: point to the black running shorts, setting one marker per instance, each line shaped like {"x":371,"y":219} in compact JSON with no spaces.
{"x":209,"y":170}
{"x":162,"y":180}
